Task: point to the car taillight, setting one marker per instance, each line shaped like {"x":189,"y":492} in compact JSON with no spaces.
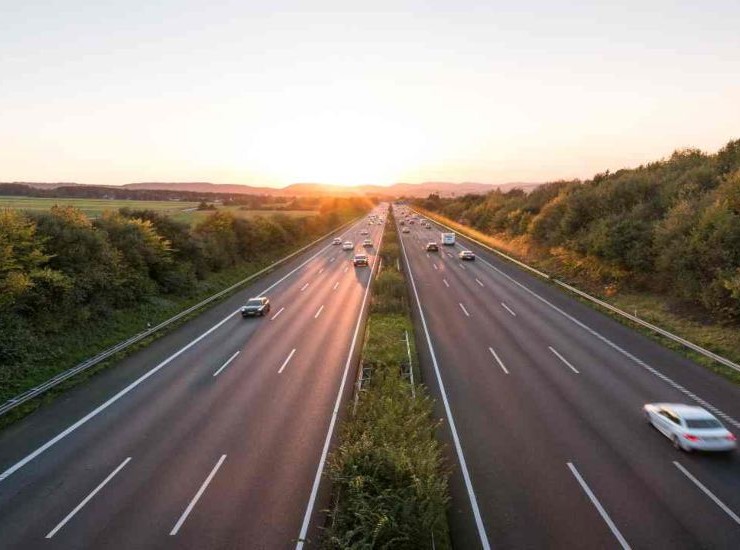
{"x":731,"y":437}
{"x":691,"y":437}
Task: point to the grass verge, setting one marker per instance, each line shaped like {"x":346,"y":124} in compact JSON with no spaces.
{"x":388,"y":471}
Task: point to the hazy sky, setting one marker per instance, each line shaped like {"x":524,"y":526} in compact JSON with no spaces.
{"x":272,"y":92}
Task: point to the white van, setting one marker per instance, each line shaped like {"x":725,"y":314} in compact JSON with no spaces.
{"x":447,"y":238}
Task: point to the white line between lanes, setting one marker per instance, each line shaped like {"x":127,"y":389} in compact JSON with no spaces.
{"x":226,"y":364}
{"x":599,"y":507}
{"x":461,"y":266}
{"x":335,"y":285}
{"x":709,"y":493}
{"x":321,"y":271}
{"x":450,"y":420}
{"x":92,"y":414}
{"x":346,"y":267}
{"x":563,"y":359}
{"x":332,"y":259}
{"x":276,"y":315}
{"x":435,"y":266}
{"x":304,"y":287}
{"x":501,"y":364}
{"x":465,"y":311}
{"x":335,"y":412}
{"x":446,"y":283}
{"x":87,"y":498}
{"x":507,"y":308}
{"x":319,"y":312}
{"x":477,"y":281}
{"x":287,"y":360}
{"x":197,"y":496}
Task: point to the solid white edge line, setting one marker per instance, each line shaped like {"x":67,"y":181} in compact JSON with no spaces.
{"x":285,"y":363}
{"x":28,"y":458}
{"x":197,"y":496}
{"x":319,"y":312}
{"x":563,"y":359}
{"x":501,"y":364}
{"x":507,"y":308}
{"x":87,"y":498}
{"x":599,"y":507}
{"x":337,"y":405}
{"x":465,"y":311}
{"x":278,"y":313}
{"x":226,"y":364}
{"x":450,"y":420}
{"x":709,"y":493}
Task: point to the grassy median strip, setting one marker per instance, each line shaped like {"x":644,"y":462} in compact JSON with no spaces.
{"x":388,"y":471}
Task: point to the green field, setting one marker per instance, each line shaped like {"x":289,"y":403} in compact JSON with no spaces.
{"x":179,"y":210}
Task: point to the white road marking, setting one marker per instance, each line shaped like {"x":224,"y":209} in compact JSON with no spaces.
{"x":304,"y":287}
{"x":335,"y":285}
{"x":507,"y":308}
{"x":87,"y":499}
{"x":197,"y":496}
{"x":287,"y":360}
{"x":563,"y":359}
{"x":501,"y":364}
{"x":319,"y":312}
{"x":446,"y":283}
{"x":335,"y":413}
{"x":709,"y":493}
{"x":599,"y":507}
{"x":278,"y":313}
{"x":321,"y":271}
{"x":346,"y":267}
{"x":450,"y":420}
{"x":428,"y":256}
{"x":449,"y":254}
{"x":332,"y":259}
{"x":477,"y":281}
{"x":226,"y":364}
{"x":465,"y":311}
{"x":461,"y":266}
{"x":92,"y":414}
{"x":435,"y":266}
{"x":619,"y":349}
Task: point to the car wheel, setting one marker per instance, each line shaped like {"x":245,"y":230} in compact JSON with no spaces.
{"x":680,"y":446}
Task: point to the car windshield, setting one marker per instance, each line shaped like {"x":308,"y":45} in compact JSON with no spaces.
{"x":254,"y":302}
{"x":705,"y":423}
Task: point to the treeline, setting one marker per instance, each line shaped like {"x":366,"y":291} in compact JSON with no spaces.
{"x":671,"y":226}
{"x":61,"y":271}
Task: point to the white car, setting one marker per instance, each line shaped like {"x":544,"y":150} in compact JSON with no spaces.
{"x":348,"y":245}
{"x":364,"y":232}
{"x":367,"y":243}
{"x":405,"y":230}
{"x":690,"y":427}
{"x":336,"y":240}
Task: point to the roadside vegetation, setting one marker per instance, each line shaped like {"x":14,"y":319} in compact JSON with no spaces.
{"x":388,"y":472}
{"x":662,"y":239}
{"x":71,"y":286}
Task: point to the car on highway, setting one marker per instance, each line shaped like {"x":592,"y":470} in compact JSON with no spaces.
{"x":690,"y":427}
{"x":336,"y":240}
{"x":348,"y":245}
{"x":360,"y":260}
{"x":405,"y":230}
{"x":367,"y":243}
{"x":432,"y":247}
{"x":466,"y":255}
{"x":259,"y":305}
{"x":401,"y":222}
{"x":364,"y":232}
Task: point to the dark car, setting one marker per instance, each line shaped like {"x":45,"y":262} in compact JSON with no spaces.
{"x":360,"y":260}
{"x":466,"y":255}
{"x":256,"y":306}
{"x":432,"y":247}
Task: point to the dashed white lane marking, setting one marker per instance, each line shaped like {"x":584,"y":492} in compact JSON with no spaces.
{"x":465,"y":311}
{"x":435,"y":267}
{"x":278,"y":313}
{"x":321,"y":271}
{"x":501,"y":364}
{"x":319,"y":312}
{"x":287,"y":360}
{"x":304,"y":287}
{"x":335,"y":285}
{"x":477,"y":281}
{"x":197,"y":496}
{"x":230,"y":359}
{"x":87,"y":499}
{"x":563,"y":359}
{"x":446,"y":283}
{"x":462,"y":266}
{"x":507,"y":308}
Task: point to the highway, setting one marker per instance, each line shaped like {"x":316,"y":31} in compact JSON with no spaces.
{"x":543,"y":417}
{"x":213,"y":436}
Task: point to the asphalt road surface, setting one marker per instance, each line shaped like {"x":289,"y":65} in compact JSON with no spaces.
{"x":211,"y":437}
{"x":545,"y":396}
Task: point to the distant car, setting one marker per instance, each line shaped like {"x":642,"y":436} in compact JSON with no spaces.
{"x":360,"y":260}
{"x":367,"y":243}
{"x":348,"y":245}
{"x":405,"y":230}
{"x":690,"y":427}
{"x":256,"y":306}
{"x":364,"y":232}
{"x":466,"y":255}
{"x":402,"y":222}
{"x":336,"y":240}
{"x":432,"y":247}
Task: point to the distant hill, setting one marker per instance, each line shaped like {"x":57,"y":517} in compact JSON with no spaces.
{"x":39,"y":185}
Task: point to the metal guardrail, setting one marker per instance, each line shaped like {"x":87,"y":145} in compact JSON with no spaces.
{"x":663,"y":332}
{"x":10,"y":404}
